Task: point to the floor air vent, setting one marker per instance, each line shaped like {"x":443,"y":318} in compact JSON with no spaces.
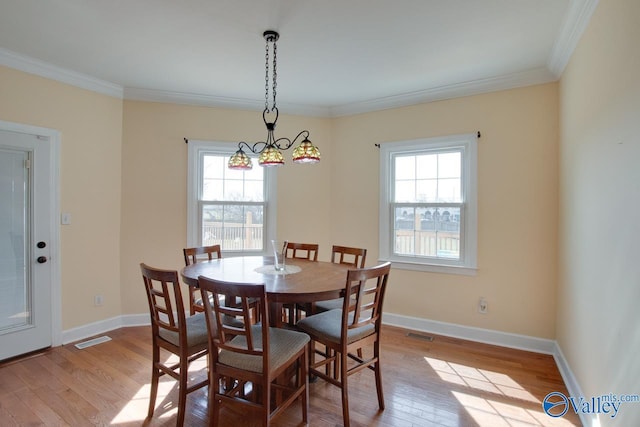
{"x":92,"y":342}
{"x":420,"y":336}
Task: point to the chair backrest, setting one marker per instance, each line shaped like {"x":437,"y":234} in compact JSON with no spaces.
{"x":220,"y":332}
{"x":355,"y":257}
{"x":302,"y":251}
{"x":364,"y":295}
{"x":163,"y":292}
{"x":191,"y":254}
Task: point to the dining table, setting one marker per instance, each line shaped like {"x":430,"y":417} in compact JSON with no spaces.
{"x":302,"y":282}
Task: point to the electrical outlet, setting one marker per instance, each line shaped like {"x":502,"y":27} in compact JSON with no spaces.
{"x":483,"y":306}
{"x":97,"y":300}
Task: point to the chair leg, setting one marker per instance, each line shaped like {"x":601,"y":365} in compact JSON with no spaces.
{"x":378,"y":374}
{"x":266,"y":401}
{"x":303,"y":377}
{"x":211,"y":393}
{"x":182,"y":391}
{"x":345,"y":392}
{"x":214,"y":403}
{"x":379,"y":386}
{"x":327,"y":368}
{"x":192,"y":300}
{"x":155,"y":376}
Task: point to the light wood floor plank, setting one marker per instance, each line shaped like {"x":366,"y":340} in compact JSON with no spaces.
{"x":46,"y":415}
{"x":446,"y":382}
{"x":19,"y":411}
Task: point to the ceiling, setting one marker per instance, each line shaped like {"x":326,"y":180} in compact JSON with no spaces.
{"x":335,"y":57}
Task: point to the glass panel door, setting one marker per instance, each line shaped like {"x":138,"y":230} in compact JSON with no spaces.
{"x":26,"y":224}
{"x":15,"y":298}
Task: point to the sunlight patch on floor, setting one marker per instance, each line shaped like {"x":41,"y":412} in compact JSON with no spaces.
{"x":136,"y":408}
{"x":491,"y":413}
{"x":480,"y":379}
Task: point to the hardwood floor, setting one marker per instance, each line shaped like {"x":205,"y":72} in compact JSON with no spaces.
{"x":444,"y":382}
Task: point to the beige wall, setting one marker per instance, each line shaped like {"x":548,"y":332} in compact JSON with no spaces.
{"x":517,"y":178}
{"x":91,"y":137}
{"x":154,"y":221}
{"x":599,"y":283}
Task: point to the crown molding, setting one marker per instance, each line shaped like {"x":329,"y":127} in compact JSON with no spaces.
{"x":40,"y":68}
{"x":137,"y":94}
{"x":575,"y":22}
{"x":510,"y":81}
{"x":474,"y":87}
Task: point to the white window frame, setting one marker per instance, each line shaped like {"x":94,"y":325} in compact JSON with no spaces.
{"x":198,"y":148}
{"x":468,"y":144}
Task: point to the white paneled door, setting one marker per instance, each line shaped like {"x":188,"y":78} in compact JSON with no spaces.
{"x":25,"y":242}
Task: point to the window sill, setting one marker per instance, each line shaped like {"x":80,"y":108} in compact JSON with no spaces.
{"x":432,"y":268}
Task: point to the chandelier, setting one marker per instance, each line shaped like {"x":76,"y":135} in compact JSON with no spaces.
{"x":270,"y":151}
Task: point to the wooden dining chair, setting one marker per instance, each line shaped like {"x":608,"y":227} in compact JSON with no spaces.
{"x":195,"y":302}
{"x":291,"y":313}
{"x":345,"y":255}
{"x":257,"y":357}
{"x":191,"y":257}
{"x":302,"y":251}
{"x":356,"y":325}
{"x":173,"y":331}
{"x":355,"y":257}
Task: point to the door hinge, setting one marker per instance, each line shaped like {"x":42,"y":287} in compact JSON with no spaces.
{"x":27,"y":164}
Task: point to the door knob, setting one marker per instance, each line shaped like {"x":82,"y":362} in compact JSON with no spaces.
{"x":42,"y":259}
{"x":41,"y":245}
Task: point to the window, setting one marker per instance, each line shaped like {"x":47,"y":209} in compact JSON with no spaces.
{"x":231,"y":208}
{"x":428,"y":204}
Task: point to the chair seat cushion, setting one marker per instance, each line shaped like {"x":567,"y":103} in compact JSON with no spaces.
{"x":332,"y":304}
{"x":328,"y":326}
{"x":283,"y":344}
{"x":196,"y":332}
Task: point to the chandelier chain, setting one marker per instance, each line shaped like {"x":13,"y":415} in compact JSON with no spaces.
{"x":275,"y":73}
{"x":266,"y":77}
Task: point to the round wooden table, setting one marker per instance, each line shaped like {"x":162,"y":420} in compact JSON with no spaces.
{"x":305,"y":281}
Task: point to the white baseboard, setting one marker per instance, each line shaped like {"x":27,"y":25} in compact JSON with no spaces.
{"x":103,"y":326}
{"x":573,"y":387}
{"x":567,"y":374}
{"x":487,"y":336}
